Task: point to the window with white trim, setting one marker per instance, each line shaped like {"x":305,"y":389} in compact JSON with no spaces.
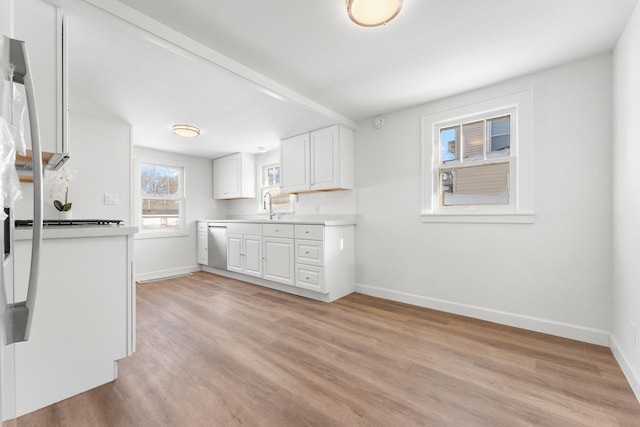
{"x":477,"y":162}
{"x":161,"y":197}
{"x":474,"y":167}
{"x":270,"y":183}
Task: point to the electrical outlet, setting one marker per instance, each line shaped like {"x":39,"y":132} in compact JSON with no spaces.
{"x":633,"y":334}
{"x":110,"y":198}
{"x":317,"y":209}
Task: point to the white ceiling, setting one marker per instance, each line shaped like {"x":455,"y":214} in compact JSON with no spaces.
{"x":434,"y":48}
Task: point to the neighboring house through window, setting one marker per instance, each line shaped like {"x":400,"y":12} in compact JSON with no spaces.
{"x":477,"y":162}
{"x":161,"y":203}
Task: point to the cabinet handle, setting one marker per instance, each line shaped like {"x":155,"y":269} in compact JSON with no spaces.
{"x":306,"y":232}
{"x":306,"y":252}
{"x":306,"y":278}
{"x":277,"y":230}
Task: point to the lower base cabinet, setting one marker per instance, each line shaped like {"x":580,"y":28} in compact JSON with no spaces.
{"x":308,"y":257}
{"x":278,"y":260}
{"x":244,"y":252}
{"x":203,"y":255}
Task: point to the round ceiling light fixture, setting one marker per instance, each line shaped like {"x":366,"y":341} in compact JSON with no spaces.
{"x":372,"y":13}
{"x":185,"y":130}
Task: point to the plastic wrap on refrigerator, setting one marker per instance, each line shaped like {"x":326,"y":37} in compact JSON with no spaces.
{"x":12,"y":104}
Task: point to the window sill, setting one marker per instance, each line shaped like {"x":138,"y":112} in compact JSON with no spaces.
{"x":153,"y":234}
{"x":479,"y":218}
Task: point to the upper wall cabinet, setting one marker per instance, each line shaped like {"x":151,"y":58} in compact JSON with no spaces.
{"x":317,"y":161}
{"x":234,"y":177}
{"x":40,"y":25}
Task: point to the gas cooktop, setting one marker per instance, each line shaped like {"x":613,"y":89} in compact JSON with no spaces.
{"x":68,"y":222}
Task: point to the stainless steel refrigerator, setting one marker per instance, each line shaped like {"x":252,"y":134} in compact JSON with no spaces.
{"x":17,"y":106}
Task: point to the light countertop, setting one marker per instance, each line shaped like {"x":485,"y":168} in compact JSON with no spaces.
{"x":327,"y":220}
{"x":76,"y":231}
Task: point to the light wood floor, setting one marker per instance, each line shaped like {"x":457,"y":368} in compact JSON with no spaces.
{"x":217,"y":352}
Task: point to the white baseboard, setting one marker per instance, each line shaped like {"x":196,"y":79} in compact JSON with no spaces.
{"x":165,"y":274}
{"x":633,"y":377}
{"x":273,"y":285}
{"x":561,"y":329}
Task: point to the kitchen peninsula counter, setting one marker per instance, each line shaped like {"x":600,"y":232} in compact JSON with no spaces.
{"x":84,"y":316}
{"x":76,"y":231}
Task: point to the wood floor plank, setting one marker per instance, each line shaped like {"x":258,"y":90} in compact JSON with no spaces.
{"x":214,"y":351}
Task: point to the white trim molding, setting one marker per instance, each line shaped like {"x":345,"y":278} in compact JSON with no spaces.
{"x":519,"y":105}
{"x":561,"y":329}
{"x":630,"y":374}
{"x":167,"y":274}
{"x":507,"y":218}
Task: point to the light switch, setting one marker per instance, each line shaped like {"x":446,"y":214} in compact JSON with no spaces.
{"x":110,"y":198}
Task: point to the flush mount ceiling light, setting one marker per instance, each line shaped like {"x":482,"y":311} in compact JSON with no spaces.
{"x":185,"y":130}
{"x":371,"y":13}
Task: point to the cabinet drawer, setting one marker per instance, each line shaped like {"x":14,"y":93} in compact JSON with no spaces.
{"x":309,"y":252}
{"x":309,"y":277}
{"x":277,"y":230}
{"x":244,"y":228}
{"x":310,"y":232}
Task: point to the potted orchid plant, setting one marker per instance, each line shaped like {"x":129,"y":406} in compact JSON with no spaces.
{"x":58,"y":188}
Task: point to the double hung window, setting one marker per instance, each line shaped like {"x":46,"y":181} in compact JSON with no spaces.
{"x":161,"y":197}
{"x":477,"y":162}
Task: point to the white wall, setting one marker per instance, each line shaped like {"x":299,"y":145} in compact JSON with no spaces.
{"x":626,"y":202}
{"x":553,"y":275}
{"x":100,"y":153}
{"x":167,"y":256}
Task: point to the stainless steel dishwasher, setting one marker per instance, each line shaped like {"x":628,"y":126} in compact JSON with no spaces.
{"x":217,"y":245}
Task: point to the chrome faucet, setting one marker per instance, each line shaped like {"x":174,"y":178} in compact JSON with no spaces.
{"x":267,"y":202}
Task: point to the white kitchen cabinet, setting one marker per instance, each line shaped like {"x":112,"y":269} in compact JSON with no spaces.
{"x":294,"y":164}
{"x":203,"y":237}
{"x":311,"y":260}
{"x":331,"y":158}
{"x":309,"y":257}
{"x":234,"y":252}
{"x":40,"y":25}
{"x":278,"y":260}
{"x":324,"y":259}
{"x":244,"y":249}
{"x":234,"y":177}
{"x":278,"y":253}
{"x":252,"y":255}
{"x":318,"y":161}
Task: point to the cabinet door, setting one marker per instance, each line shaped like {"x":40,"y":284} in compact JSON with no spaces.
{"x":294,"y":163}
{"x":218,"y":179}
{"x":325,"y":159}
{"x":233,"y":176}
{"x":278,"y":260}
{"x":252,"y":255}
{"x":202,"y":248}
{"x":226,"y":177}
{"x":234,"y":253}
{"x":40,"y":25}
